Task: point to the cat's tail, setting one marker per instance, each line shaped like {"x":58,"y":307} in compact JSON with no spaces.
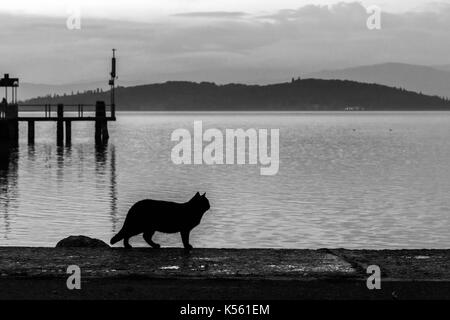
{"x":117,"y":237}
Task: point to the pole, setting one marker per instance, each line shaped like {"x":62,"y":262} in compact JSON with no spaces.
{"x":59,"y":125}
{"x":101,"y":125}
{"x":31,"y":132}
{"x":68,"y":132}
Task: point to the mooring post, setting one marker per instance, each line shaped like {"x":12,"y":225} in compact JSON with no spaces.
{"x":105,"y":133}
{"x":4,"y":134}
{"x":68,"y":132}
{"x":60,"y":125}
{"x":31,"y":132}
{"x":3,"y":124}
{"x":101,"y":125}
{"x":11,"y":115}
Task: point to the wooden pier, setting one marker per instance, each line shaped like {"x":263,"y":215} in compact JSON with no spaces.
{"x":11,"y":113}
{"x":63,"y":115}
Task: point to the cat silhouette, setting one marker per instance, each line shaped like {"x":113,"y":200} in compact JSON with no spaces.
{"x":148,"y":216}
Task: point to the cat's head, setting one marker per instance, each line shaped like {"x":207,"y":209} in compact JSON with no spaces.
{"x":201,"y":202}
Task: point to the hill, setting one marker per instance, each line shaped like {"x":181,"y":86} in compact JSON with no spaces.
{"x":308,"y":94}
{"x":428,"y":80}
{"x":29,"y":90}
{"x":445,"y":67}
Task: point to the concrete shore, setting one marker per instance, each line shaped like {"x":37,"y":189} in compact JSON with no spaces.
{"x":144,"y":273}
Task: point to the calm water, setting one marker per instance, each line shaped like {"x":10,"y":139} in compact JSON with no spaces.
{"x":355,"y":180}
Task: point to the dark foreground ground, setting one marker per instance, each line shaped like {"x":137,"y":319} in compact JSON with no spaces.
{"x":41,"y":273}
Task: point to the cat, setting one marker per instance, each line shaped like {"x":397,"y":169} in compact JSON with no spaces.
{"x":148,"y":216}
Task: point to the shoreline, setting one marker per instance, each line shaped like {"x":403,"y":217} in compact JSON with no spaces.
{"x":165,"y":274}
{"x":273,"y":111}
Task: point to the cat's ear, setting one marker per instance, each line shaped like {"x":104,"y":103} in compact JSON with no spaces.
{"x":204,"y":195}
{"x":196,"y":196}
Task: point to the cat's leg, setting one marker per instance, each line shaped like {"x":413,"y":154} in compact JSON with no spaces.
{"x":126,"y":243}
{"x":185,"y":239}
{"x":148,"y":238}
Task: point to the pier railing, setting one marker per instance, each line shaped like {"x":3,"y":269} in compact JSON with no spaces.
{"x":73,"y":112}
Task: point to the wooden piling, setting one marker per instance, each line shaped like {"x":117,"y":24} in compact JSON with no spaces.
{"x":4,"y":134}
{"x":12,"y":124}
{"x":30,"y":132}
{"x":105,"y":133}
{"x":60,"y":125}
{"x":101,"y":125}
{"x":68,"y":132}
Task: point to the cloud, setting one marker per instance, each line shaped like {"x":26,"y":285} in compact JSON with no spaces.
{"x":222,"y":46}
{"x":211,"y":14}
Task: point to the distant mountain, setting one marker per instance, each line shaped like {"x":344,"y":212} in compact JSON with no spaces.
{"x":428,"y":80}
{"x":308,"y":94}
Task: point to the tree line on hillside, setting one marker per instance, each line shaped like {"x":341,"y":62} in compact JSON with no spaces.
{"x":299,"y":94}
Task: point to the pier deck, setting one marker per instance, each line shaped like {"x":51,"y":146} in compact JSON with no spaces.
{"x":12,"y":114}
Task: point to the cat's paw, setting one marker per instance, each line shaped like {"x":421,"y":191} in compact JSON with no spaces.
{"x":188,"y":247}
{"x":156,"y":246}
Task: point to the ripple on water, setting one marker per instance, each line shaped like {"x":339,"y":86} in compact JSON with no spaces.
{"x":369,"y":188}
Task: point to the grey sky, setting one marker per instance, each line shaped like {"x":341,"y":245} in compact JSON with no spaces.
{"x":222,"y":41}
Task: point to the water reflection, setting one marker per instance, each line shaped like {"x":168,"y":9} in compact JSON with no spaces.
{"x":102,"y":153}
{"x":113,"y":190}
{"x":68,"y":183}
{"x":60,"y":165}
{"x":8,"y":184}
{"x":31,"y":152}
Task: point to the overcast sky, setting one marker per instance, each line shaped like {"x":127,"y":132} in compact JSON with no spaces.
{"x":215,"y":40}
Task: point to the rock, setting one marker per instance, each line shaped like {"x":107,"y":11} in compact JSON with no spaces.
{"x":80,"y":242}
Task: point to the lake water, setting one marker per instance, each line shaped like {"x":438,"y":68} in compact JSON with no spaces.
{"x":354,"y":180}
